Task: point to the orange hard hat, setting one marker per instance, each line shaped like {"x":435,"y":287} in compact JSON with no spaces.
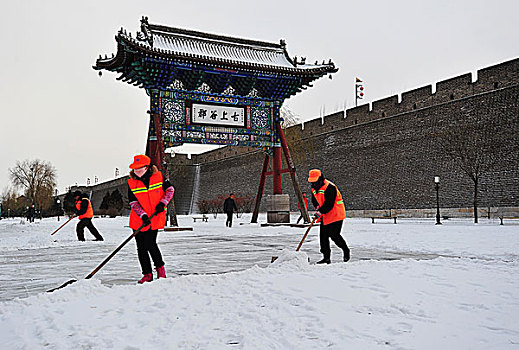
{"x":314,"y":175}
{"x":139,"y":161}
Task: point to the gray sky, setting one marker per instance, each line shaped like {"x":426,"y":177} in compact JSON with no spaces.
{"x":55,"y":107}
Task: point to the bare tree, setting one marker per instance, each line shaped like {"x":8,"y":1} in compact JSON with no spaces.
{"x":289,"y":117}
{"x":299,"y":148}
{"x":37,"y":179}
{"x":477,"y":143}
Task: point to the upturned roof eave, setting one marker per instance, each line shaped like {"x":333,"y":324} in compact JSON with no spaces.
{"x":125,"y":41}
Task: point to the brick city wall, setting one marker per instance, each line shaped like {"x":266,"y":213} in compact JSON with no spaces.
{"x":385,"y":155}
{"x":381,"y":155}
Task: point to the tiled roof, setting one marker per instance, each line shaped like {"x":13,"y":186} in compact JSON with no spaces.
{"x":169,"y":42}
{"x":161,"y":57}
{"x":176,"y":41}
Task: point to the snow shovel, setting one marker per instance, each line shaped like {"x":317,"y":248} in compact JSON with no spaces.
{"x":105,"y":260}
{"x":66,"y":222}
{"x":274,"y":258}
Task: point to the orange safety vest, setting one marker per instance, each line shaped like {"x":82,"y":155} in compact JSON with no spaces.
{"x":89,"y":213}
{"x":148,"y":199}
{"x":338,"y":211}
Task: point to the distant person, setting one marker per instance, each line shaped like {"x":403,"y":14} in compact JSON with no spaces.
{"x":0,"y":211}
{"x":229,"y":206}
{"x":31,"y":212}
{"x":148,"y":193}
{"x":85,"y":213}
{"x":331,"y":211}
{"x":299,"y":207}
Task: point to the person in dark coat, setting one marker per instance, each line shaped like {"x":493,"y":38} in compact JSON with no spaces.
{"x":331,"y":211}
{"x":229,"y":206}
{"x":30,"y":213}
{"x":85,"y":213}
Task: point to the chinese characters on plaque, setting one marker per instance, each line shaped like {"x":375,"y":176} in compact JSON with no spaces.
{"x":218,"y":115}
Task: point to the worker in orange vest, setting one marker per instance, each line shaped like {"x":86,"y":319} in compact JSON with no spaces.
{"x":85,"y":213}
{"x":331,"y":211}
{"x":148,"y":193}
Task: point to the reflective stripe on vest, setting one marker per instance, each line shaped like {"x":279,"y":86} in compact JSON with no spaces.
{"x":89,"y":213}
{"x":338,"y":211}
{"x":148,"y":199}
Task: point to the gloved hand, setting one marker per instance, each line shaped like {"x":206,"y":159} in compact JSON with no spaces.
{"x":317,"y":215}
{"x":159,"y":208}
{"x":145,"y":220}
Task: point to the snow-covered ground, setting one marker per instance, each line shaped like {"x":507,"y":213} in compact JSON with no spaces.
{"x":413,"y":285}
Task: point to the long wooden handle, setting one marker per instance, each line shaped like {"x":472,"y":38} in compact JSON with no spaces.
{"x":306,"y":233}
{"x":59,"y":228}
{"x":117,"y":249}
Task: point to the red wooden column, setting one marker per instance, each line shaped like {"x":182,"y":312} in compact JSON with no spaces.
{"x":276,"y":171}
{"x":276,"y":153}
{"x":155,"y":148}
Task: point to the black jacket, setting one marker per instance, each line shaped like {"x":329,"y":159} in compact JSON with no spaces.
{"x":329,"y":198}
{"x":229,"y":205}
{"x":83,"y":207}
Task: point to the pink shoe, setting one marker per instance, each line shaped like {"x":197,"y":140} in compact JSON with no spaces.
{"x":146,"y":278}
{"x":161,"y":272}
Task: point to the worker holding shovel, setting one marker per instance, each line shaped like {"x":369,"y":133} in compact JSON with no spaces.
{"x":149,"y":194}
{"x":85,"y":213}
{"x":329,"y":204}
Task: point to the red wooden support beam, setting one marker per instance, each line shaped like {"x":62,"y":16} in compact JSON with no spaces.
{"x":260,"y":189}
{"x":292,"y":168}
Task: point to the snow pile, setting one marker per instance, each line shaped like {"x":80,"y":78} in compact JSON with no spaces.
{"x":452,"y":301}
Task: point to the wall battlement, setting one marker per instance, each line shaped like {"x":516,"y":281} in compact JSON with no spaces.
{"x":491,"y":78}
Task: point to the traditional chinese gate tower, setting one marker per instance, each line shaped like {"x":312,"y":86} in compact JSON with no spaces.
{"x":213,"y":89}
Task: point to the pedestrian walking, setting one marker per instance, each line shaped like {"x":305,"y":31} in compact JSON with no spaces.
{"x":331,"y":211}
{"x":229,"y":206}
{"x":31,"y":212}
{"x":85,"y":213}
{"x":148,"y":193}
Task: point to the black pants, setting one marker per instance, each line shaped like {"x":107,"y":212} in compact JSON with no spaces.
{"x":229,"y":220}
{"x":146,"y":246}
{"x":333,"y":231}
{"x":80,"y":229}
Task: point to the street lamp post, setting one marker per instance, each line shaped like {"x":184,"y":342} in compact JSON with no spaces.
{"x":59,"y":207}
{"x":437,"y":185}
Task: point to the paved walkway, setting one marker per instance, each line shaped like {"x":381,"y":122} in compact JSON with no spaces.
{"x":27,"y":272}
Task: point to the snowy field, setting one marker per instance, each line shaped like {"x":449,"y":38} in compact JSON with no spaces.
{"x":413,"y":285}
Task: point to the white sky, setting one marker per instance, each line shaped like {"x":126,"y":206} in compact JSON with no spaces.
{"x":54,"y":106}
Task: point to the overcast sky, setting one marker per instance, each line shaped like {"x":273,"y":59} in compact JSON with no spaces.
{"x":55,"y":107}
